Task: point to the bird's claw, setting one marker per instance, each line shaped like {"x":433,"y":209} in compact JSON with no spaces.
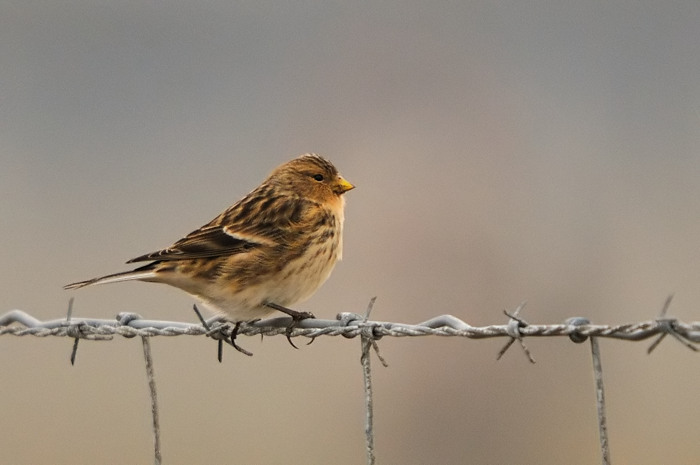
{"x":295,"y":323}
{"x":232,"y":339}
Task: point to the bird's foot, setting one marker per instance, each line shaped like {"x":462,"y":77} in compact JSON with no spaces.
{"x":296,"y":318}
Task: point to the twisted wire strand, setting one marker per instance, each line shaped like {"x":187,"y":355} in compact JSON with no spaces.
{"x":350,"y":325}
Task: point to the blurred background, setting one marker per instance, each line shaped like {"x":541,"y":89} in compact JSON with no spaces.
{"x":502,"y":152}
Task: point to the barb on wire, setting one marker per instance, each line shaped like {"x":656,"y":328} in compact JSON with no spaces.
{"x":69,"y":314}
{"x":220,"y":345}
{"x":668,"y":327}
{"x":514,"y":326}
{"x":369,"y":334}
{"x":222,"y":331}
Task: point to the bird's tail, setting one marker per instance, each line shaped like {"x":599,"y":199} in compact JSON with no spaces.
{"x":145,"y":273}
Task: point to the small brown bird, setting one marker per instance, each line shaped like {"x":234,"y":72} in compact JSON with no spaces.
{"x":271,"y":249}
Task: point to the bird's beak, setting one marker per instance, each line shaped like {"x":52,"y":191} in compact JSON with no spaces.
{"x":342,"y":185}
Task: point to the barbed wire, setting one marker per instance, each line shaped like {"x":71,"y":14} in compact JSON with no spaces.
{"x":351,"y":325}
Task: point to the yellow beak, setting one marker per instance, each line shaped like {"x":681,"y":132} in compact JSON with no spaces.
{"x":342,"y":186}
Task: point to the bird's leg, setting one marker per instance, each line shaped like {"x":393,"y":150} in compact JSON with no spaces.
{"x":296,"y":315}
{"x":296,"y":318}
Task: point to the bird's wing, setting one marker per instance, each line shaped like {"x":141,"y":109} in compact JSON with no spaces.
{"x":205,"y":242}
{"x":235,"y":231}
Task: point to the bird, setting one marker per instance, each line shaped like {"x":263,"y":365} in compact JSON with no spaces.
{"x":270,"y":250}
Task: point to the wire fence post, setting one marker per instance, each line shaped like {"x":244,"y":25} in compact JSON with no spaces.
{"x":367,"y":341}
{"x":579,"y":338}
{"x":154,"y":399}
{"x":600,"y":402}
{"x":369,"y":406}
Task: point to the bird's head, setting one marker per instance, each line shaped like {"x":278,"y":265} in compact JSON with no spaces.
{"x":312,"y":177}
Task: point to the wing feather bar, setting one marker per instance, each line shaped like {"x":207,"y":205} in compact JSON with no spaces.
{"x":205,"y":243}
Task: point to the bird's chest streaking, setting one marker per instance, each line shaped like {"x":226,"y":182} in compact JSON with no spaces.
{"x":301,"y":276}
{"x":284,"y":274}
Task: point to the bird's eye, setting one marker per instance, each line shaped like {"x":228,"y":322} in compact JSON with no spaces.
{"x":318,"y":177}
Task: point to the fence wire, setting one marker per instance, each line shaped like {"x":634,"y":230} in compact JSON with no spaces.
{"x":19,"y":323}
{"x":350,"y":325}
